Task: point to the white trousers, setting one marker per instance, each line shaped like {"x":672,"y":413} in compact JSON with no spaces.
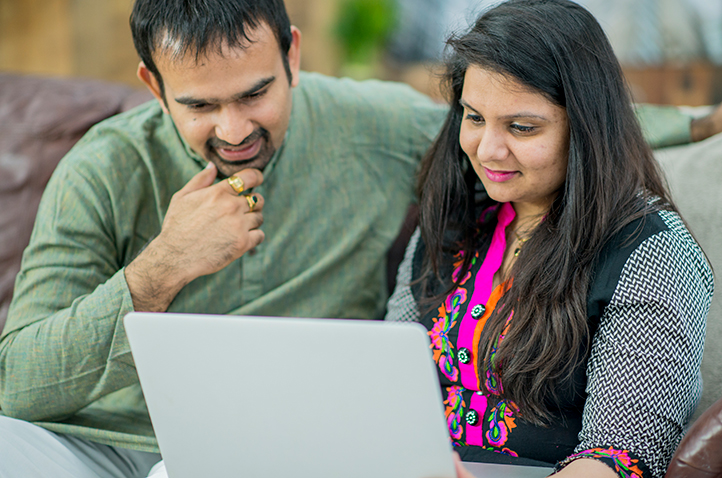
{"x":30,"y":451}
{"x":158,"y":471}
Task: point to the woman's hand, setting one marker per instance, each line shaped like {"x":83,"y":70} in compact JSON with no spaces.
{"x":588,"y":468}
{"x":461,"y":472}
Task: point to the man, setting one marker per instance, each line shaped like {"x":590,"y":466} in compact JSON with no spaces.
{"x":139,"y":216}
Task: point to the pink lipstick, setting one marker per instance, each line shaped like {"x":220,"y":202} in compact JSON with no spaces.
{"x":499,"y":176}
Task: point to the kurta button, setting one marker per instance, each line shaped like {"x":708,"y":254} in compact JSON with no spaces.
{"x":478,"y":311}
{"x":464,"y":355}
{"x":472,"y":418}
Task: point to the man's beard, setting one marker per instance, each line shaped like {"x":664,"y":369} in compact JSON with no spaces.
{"x":229,"y":168}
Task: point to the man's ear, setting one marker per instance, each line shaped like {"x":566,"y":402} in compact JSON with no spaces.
{"x":149,"y":79}
{"x":294,"y":55}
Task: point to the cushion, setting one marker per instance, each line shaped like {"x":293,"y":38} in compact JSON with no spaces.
{"x":694,"y":173}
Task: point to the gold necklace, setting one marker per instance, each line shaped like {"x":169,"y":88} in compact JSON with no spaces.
{"x":521,"y":243}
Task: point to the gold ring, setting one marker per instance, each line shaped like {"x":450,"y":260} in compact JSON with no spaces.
{"x":236,"y":183}
{"x":252,"y":201}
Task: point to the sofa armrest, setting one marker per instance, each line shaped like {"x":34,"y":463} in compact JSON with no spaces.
{"x":699,"y":455}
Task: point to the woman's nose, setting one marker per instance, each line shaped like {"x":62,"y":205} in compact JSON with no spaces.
{"x":492,"y":145}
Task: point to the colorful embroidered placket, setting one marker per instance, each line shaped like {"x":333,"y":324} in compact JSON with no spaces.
{"x":483,"y":287}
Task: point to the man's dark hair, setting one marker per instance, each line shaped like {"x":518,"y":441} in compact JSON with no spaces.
{"x":195,"y":26}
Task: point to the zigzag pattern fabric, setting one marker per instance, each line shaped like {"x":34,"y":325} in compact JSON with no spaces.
{"x":635,"y":340}
{"x":402,"y":306}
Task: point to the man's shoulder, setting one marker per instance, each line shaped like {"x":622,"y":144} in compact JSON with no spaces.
{"x":384,"y":109}
{"x":131,"y":134}
{"x":118,"y":148}
{"x":371,"y":93}
{"x":143,"y":123}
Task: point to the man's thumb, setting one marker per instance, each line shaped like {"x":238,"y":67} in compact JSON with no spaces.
{"x":201,"y":180}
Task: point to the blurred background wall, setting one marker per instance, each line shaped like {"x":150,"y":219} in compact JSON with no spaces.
{"x":671,"y":50}
{"x":88,"y":38}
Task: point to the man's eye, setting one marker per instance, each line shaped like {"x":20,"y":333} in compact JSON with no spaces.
{"x":257,"y":94}
{"x":199,"y":106}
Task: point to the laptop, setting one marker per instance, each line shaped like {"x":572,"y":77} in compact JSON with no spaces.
{"x":238,"y":396}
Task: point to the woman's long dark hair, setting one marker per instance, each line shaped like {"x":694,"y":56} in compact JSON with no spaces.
{"x":557,"y":48}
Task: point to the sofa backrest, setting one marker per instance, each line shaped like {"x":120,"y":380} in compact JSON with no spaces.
{"x":694,"y":174}
{"x":40,"y":120}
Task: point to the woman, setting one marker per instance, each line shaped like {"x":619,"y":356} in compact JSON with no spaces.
{"x":564,"y":297}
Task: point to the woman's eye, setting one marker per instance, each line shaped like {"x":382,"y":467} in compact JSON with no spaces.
{"x":522,"y":128}
{"x":476,"y":119}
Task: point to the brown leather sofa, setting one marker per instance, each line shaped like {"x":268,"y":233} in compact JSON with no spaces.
{"x":700,"y":453}
{"x":41,"y":119}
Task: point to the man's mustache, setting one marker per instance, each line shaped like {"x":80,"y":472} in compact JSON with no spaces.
{"x":251,"y":138}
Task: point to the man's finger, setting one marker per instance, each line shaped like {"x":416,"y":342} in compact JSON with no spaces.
{"x":201,"y":180}
{"x":242,"y":181}
{"x":254,"y":220}
{"x":256,"y":236}
{"x":255,"y":202}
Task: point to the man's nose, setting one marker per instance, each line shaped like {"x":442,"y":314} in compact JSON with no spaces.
{"x":233,"y":125}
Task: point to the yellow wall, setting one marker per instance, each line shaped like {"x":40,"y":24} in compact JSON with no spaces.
{"x":91,"y":38}
{"x":35,"y":36}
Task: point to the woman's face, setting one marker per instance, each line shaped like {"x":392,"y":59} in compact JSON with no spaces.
{"x":516,"y":139}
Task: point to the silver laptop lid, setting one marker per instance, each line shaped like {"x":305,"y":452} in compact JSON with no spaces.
{"x":281,"y":397}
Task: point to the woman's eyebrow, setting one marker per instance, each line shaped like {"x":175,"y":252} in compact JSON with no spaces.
{"x":466,"y":105}
{"x":520,"y":114}
{"x":524,"y":114}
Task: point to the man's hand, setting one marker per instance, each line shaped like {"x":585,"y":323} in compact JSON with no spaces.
{"x":207,"y":226}
{"x":706,"y":126}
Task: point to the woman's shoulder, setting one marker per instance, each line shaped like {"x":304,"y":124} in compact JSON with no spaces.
{"x":662,"y":232}
{"x":653,"y":252}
